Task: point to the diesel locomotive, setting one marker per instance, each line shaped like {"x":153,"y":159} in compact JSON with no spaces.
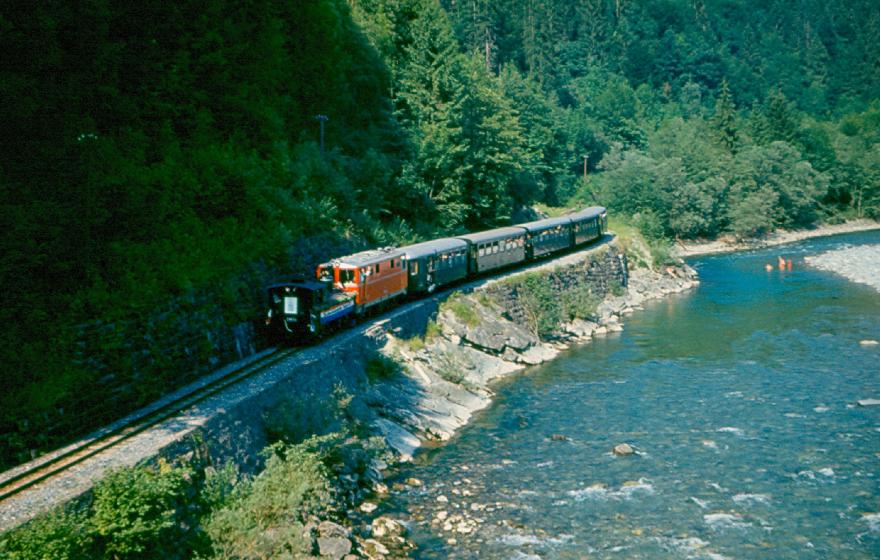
{"x":347,"y":287}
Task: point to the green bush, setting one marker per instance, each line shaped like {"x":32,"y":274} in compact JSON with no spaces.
{"x":538,"y":300}
{"x":380,"y":367}
{"x":265,"y":518}
{"x":59,"y":535}
{"x":138,"y":512}
{"x":578,"y":303}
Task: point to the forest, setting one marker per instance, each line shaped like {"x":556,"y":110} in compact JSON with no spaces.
{"x":155,"y":150}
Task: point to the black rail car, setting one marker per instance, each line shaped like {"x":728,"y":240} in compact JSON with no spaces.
{"x":305,"y":309}
{"x":435,"y":263}
{"x":495,"y":248}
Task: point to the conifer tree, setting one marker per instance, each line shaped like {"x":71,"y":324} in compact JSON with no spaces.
{"x":724,"y":120}
{"x":429,"y":100}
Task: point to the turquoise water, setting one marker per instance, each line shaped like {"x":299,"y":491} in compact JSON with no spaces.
{"x":740,"y":398}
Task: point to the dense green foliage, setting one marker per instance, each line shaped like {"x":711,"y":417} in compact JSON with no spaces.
{"x":194,"y":510}
{"x":181,"y":161}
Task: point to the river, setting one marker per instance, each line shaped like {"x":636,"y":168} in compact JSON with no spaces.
{"x":740,"y":399}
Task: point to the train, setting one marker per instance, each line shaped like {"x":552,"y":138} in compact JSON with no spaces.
{"x":347,"y":288}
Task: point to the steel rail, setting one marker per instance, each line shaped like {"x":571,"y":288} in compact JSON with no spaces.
{"x":78,"y":453}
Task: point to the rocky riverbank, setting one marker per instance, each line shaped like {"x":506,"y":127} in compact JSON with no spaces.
{"x":858,"y":264}
{"x":481,"y":336}
{"x":779,"y":237}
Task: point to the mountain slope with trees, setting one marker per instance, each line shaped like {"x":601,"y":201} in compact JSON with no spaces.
{"x":150,"y":168}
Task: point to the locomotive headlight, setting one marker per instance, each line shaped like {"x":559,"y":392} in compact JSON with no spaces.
{"x":291,"y":305}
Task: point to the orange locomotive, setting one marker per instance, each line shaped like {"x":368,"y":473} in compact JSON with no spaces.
{"x":372,"y":276}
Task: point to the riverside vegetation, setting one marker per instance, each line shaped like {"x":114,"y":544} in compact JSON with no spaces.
{"x":313,"y":471}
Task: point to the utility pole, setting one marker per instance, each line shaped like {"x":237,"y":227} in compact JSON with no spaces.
{"x":322,"y":119}
{"x":586,"y":159}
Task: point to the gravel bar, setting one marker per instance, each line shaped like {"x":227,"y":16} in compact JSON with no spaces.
{"x":859,"y":264}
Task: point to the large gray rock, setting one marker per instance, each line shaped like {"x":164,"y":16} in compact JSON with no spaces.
{"x":331,"y":529}
{"x":334,"y":547}
{"x":402,"y":441}
{"x":490,"y":333}
{"x":386,"y":527}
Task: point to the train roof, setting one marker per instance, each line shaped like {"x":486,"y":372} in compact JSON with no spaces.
{"x":539,"y":225}
{"x":587,"y":213}
{"x":492,"y":234}
{"x":431,"y":247}
{"x":366,"y":258}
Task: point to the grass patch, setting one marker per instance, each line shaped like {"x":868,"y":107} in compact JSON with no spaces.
{"x":432,"y":331}
{"x":415,"y":343}
{"x":462,"y":309}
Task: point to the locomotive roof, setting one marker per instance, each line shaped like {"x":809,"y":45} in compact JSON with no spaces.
{"x":432,"y":247}
{"x":372,"y":256}
{"x":492,"y":234}
{"x":587,"y":213}
{"x":539,"y":225}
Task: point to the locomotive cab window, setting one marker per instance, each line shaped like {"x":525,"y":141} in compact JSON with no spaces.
{"x":346,"y":275}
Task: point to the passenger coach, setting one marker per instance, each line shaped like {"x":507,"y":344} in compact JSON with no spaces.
{"x":495,"y":248}
{"x":547,"y":236}
{"x":435,"y":263}
{"x":588,"y":224}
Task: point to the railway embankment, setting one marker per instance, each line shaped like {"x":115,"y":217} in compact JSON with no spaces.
{"x":414,"y":376}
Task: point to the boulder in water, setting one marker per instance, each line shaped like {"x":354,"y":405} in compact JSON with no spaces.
{"x":623,"y":449}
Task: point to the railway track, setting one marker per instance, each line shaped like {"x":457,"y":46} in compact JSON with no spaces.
{"x":17,"y":480}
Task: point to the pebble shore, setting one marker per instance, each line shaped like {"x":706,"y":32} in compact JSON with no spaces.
{"x":779,"y":237}
{"x":858,"y":264}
